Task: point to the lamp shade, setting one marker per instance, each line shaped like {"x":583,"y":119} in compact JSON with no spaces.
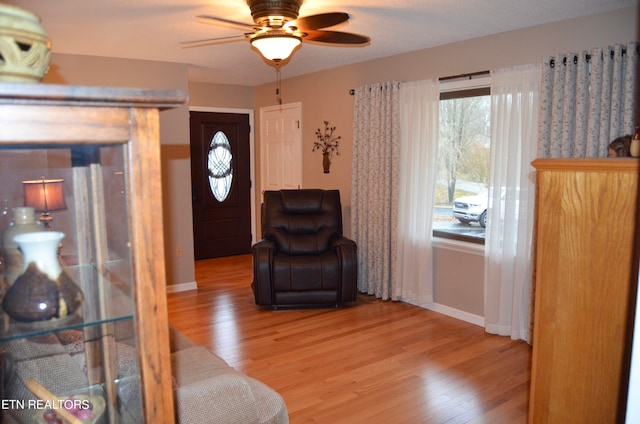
{"x":276,"y":46}
{"x":44,"y":195}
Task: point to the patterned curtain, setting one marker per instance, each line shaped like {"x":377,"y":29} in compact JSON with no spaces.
{"x":587,"y":100}
{"x":374,"y":186}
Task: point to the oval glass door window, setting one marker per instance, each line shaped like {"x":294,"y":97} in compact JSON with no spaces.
{"x":220,"y":167}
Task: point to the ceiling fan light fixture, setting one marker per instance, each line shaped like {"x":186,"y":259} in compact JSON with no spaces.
{"x":276,"y":46}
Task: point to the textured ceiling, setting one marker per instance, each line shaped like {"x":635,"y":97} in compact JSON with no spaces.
{"x":155,"y":29}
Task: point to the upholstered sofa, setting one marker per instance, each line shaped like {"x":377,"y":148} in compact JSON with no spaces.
{"x":303,"y":259}
{"x":206,"y":389}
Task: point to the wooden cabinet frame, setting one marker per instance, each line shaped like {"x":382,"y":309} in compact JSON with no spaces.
{"x":585,"y":283}
{"x":44,"y":116}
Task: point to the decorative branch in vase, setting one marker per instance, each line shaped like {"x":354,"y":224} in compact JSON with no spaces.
{"x":327,"y":144}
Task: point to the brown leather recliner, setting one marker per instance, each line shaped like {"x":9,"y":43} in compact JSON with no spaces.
{"x":303,"y":259}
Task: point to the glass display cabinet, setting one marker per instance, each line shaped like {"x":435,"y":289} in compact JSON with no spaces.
{"x":84,"y":332}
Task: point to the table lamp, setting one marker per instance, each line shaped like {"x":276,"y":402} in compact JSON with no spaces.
{"x":44,"y":195}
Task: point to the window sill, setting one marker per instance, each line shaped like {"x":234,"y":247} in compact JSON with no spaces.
{"x":458,"y":236}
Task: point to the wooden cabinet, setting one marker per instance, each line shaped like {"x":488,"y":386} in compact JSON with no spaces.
{"x":104,"y":144}
{"x":586,"y":270}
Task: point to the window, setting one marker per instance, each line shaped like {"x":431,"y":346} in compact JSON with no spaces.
{"x":463,"y":161}
{"x":220,"y":168}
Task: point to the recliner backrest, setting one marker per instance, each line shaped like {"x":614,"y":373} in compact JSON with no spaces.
{"x":302,"y":222}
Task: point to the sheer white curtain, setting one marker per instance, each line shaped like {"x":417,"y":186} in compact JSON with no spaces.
{"x":419,"y":107}
{"x":514,"y":123}
{"x":587,"y":100}
{"x":374,"y":187}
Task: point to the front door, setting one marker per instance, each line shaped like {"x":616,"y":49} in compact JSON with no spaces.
{"x":221,"y":187}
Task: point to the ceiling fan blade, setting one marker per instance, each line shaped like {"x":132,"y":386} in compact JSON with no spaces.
{"x":336,"y":37}
{"x":212,"y":41}
{"x":229,"y":22}
{"x":322,"y":20}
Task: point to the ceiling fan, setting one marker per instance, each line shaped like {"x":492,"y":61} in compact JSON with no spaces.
{"x":277,"y":30}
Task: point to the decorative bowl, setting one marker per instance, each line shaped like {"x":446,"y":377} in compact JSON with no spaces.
{"x":25,"y":49}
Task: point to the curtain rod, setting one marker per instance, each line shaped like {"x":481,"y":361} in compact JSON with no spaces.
{"x":470,"y":76}
{"x":552,"y":62}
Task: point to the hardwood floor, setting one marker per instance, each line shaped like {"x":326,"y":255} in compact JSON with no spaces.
{"x":371,"y":362}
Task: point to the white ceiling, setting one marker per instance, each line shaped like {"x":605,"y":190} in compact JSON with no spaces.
{"x":155,"y":29}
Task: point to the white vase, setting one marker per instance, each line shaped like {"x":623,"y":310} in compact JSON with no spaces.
{"x":24,"y":221}
{"x":43,"y":292}
{"x":41,"y":248}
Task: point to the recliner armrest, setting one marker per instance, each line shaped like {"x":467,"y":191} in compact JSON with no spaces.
{"x":342,"y":241}
{"x":262,"y":253}
{"x":264,"y":244}
{"x":348,"y":256}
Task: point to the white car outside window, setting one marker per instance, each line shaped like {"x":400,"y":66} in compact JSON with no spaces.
{"x":469,"y":209}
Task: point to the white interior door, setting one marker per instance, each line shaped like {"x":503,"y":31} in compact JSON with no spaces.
{"x":281,"y":146}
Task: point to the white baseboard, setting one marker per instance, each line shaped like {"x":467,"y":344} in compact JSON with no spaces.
{"x":457,"y":313}
{"x":175,"y":288}
{"x":436,"y":307}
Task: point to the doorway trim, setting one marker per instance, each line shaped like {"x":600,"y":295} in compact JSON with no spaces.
{"x":252,"y":164}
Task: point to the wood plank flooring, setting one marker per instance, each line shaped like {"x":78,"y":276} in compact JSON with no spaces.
{"x":371,"y":362}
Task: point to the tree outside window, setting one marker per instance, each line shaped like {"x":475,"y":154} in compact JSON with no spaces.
{"x":463,"y":163}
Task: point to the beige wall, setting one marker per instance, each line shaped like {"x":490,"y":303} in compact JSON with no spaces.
{"x":450,"y":277}
{"x":219,"y":95}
